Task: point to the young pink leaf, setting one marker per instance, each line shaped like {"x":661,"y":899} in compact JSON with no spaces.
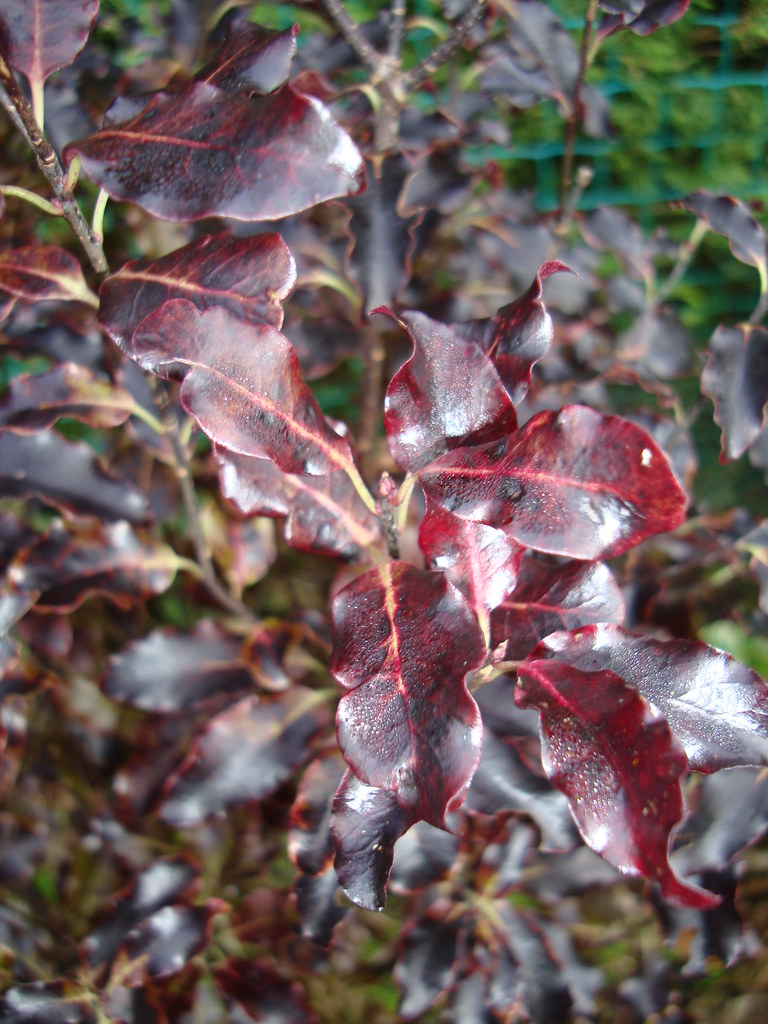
{"x":447,"y":394}
{"x":199,"y":152}
{"x":572,"y":482}
{"x":550,"y":596}
{"x":250,"y":276}
{"x":618,"y":763}
{"x":41,"y":36}
{"x":404,"y":642}
{"x":34,"y":402}
{"x":715,"y":706}
{"x":242,"y":383}
{"x":38,"y":272}
{"x":736,"y":379}
{"x":518,"y":336}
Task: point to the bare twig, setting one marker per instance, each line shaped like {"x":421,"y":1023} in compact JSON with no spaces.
{"x":396,"y":19}
{"x":418,"y":75}
{"x":586,"y":56}
{"x":685,"y":254}
{"x":353,"y":35}
{"x":23,"y":118}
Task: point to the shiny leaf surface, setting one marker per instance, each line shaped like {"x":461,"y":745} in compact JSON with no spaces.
{"x":53,"y":1002}
{"x":731,"y":217}
{"x":35,"y":401}
{"x":37,"y":272}
{"x":424,"y":967}
{"x":736,"y":379}
{"x":41,"y":36}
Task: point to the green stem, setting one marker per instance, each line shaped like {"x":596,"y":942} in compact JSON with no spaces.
{"x":684,"y":257}
{"x":97,"y":224}
{"x":360,"y":486}
{"x":31,"y":197}
{"x":762,"y":303}
{"x":38,"y":102}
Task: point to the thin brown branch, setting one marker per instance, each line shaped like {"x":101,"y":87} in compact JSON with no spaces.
{"x":369,"y":56}
{"x":575,"y":117}
{"x":396,"y":19}
{"x":418,"y":75}
{"x":23,"y":118}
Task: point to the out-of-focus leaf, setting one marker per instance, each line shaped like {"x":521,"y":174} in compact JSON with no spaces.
{"x":715,"y":706}
{"x":66,"y":475}
{"x":518,"y":335}
{"x":251,"y":60}
{"x":66,"y":568}
{"x":572,"y":482}
{"x":423,"y":855}
{"x":243,"y":755}
{"x":37,"y":272}
{"x":731,"y":217}
{"x":618,"y":763}
{"x":324,"y":514}
{"x":250,"y":276}
{"x":13,"y":737}
{"x":41,"y":36}
{"x":316,"y":902}
{"x":736,"y":379}
{"x":35,"y":401}
{"x":447,"y":394}
{"x":161,"y":944}
{"x":610,"y":229}
{"x":404,"y":641}
{"x":546,"y":995}
{"x":658,"y":344}
{"x":366,"y":822}
{"x":254,"y":990}
{"x":424,"y":967}
{"x":550,"y":596}
{"x":168,"y":670}
{"x":50,"y":1002}
{"x":309,"y":838}
{"x":642,"y":16}
{"x":242,"y":383}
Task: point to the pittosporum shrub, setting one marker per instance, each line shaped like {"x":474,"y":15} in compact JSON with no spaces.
{"x":472,"y":646}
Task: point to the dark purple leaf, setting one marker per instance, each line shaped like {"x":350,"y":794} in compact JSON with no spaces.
{"x":731,"y":217}
{"x":642,"y":16}
{"x":37,"y":272}
{"x":736,"y":379}
{"x":242,"y":383}
{"x":66,"y":475}
{"x":545,"y":989}
{"x":518,"y":335}
{"x":109,"y":560}
{"x":366,"y":822}
{"x":404,"y":642}
{"x":424,"y":968}
{"x":716,"y":707}
{"x":35,"y":401}
{"x":309,"y":838}
{"x":162,"y":944}
{"x":573,"y":482}
{"x":438,"y":183}
{"x":41,"y":36}
{"x":550,"y":596}
{"x":256,"y":989}
{"x":243,"y":755}
{"x":316,"y":902}
{"x":610,"y":229}
{"x":324,"y":514}
{"x":618,"y":763}
{"x":51,"y":1002}
{"x":658,"y":344}
{"x":13,"y":735}
{"x":251,"y":60}
{"x":168,"y":670}
{"x":447,"y":394}
{"x":423,"y":855}
{"x":250,"y":276}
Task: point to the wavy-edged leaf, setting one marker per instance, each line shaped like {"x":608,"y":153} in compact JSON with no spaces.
{"x":366,"y":822}
{"x":731,"y":217}
{"x":518,"y":335}
{"x":199,"y":152}
{"x":309,"y":839}
{"x":736,"y":379}
{"x":404,"y":641}
{"x":617,"y":761}
{"x":447,"y":394}
{"x":66,"y":475}
{"x":550,"y":596}
{"x":641,"y":16}
{"x":243,"y":755}
{"x":715,"y":706}
{"x":243,"y":385}
{"x":325,"y":514}
{"x":38,"y":272}
{"x":424,"y":967}
{"x":254,"y":990}
{"x":250,"y":276}
{"x":66,"y":568}
{"x":41,"y":36}
{"x":572,"y":482}
{"x":34,"y":402}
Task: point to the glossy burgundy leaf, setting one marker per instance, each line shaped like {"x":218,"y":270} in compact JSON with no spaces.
{"x":424,"y":967}
{"x":41,"y":36}
{"x":200,"y":152}
{"x":108,"y":560}
{"x":169,"y":670}
{"x":736,"y":379}
{"x":447,"y":394}
{"x":51,"y":1002}
{"x":250,"y":276}
{"x":162,"y":944}
{"x":518,"y":335}
{"x":480,"y":560}
{"x":243,"y":755}
{"x":550,"y":596}
{"x":251,"y":60}
{"x":309,"y":838}
{"x":366,"y":822}
{"x":318,"y":905}
{"x":618,"y":763}
{"x":404,"y":642}
{"x":572,"y":482}
{"x":255,"y":990}
{"x":66,"y":475}
{"x":35,"y":401}
{"x":715,"y":706}
{"x":731,"y":217}
{"x":37,"y":272}
{"x":324,"y":514}
{"x":242,"y":383}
